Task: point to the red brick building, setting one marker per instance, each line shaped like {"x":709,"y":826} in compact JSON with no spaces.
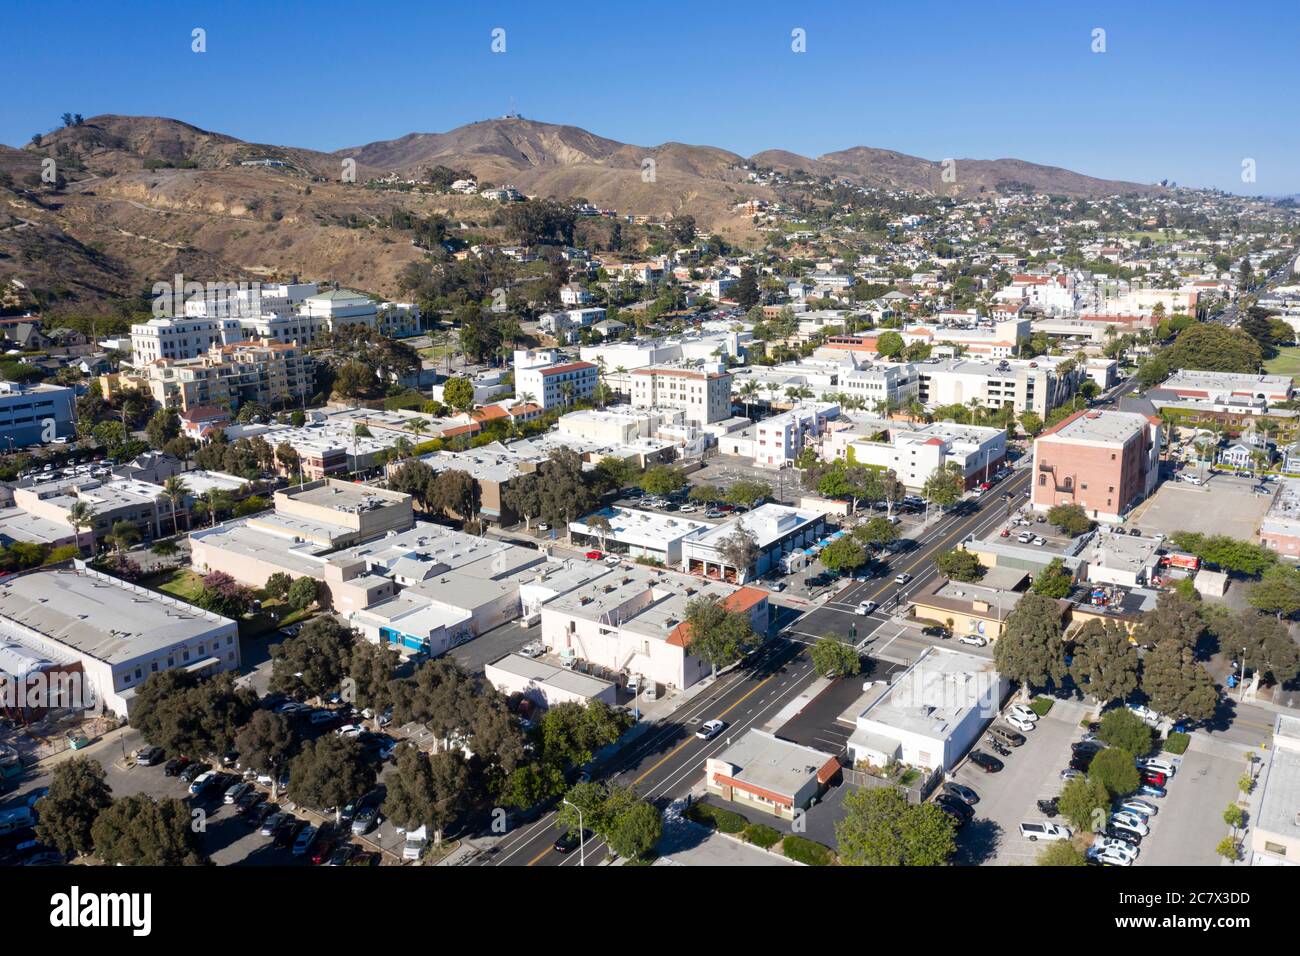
{"x":1103,"y":461}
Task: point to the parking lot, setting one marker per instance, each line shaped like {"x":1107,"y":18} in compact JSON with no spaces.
{"x":1225,"y":504}
{"x":1008,"y":798}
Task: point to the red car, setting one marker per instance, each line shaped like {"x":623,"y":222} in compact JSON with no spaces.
{"x":985,"y":486}
{"x":322,"y":848}
{"x":1154,"y":777}
{"x":595,"y":555}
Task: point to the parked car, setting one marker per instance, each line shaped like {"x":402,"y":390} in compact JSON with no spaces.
{"x":148,"y":756}
{"x":175,"y":766}
{"x":249,"y":802}
{"x":365,"y":821}
{"x":710,"y":729}
{"x":961,"y":792}
{"x":1049,"y":808}
{"x":236,"y":792}
{"x":1140,"y":806}
{"x":259,"y":814}
{"x":1109,"y":856}
{"x":193,"y":770}
{"x":1018,"y":722}
{"x":985,"y":762}
{"x":1092,"y":747}
{"x":1154,"y":777}
{"x":1151,"y":790}
{"x":342,"y":856}
{"x":303,"y":841}
{"x":1131,"y":837}
{"x":1081,"y":761}
{"x":1156,"y":765}
{"x":936,"y":630}
{"x":1023,"y":711}
{"x":273,"y":822}
{"x":1044,"y":831}
{"x":1007,"y":736}
{"x":203,"y":782}
{"x":288,"y":831}
{"x":973,"y":640}
{"x":322,"y":848}
{"x":1130,"y":820}
{"x":1103,"y":842}
{"x":960,"y":807}
{"x":1070,"y":773}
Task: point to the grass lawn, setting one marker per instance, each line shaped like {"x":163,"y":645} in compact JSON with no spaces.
{"x":1286,"y":362}
{"x":181,"y":582}
{"x":185,"y":584}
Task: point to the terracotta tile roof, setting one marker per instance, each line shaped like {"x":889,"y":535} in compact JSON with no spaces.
{"x":737,"y":601}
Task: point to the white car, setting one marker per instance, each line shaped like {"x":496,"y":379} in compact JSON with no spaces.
{"x":866,"y":607}
{"x":1110,"y":856}
{"x":710,"y":729}
{"x":1044,"y":831}
{"x":1111,"y":843}
{"x":1129,"y":821}
{"x":613,"y":560}
{"x":1018,"y":722}
{"x":1157,"y":764}
{"x":349,"y":730}
{"x":1023,"y":711}
{"x":973,"y":640}
{"x":532,"y":650}
{"x":902,"y":578}
{"x":1141,"y":806}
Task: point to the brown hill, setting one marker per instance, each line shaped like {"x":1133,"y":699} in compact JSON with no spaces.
{"x":149,"y":196}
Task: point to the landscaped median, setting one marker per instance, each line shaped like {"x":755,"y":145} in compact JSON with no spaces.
{"x":793,"y":847}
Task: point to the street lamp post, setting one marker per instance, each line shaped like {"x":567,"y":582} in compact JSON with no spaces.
{"x":582,"y":834}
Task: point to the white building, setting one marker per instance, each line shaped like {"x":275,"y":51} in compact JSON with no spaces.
{"x":779,"y":440}
{"x":775,"y":530}
{"x":638,"y":534}
{"x":703,"y":394}
{"x":115,"y":633}
{"x":546,"y":684}
{"x":931,"y":714}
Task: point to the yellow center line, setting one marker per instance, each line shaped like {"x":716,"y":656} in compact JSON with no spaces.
{"x":672,"y":753}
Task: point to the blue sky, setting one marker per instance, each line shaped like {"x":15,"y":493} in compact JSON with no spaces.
{"x":1184,"y":91}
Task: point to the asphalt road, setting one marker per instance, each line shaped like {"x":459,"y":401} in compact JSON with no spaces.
{"x":668,"y":760}
{"x":839,"y":615}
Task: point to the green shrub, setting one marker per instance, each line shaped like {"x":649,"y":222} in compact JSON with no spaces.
{"x":1041,"y":705}
{"x":760,"y":834}
{"x":1176,"y":743}
{"x":725,"y":820}
{"x":803,"y":850}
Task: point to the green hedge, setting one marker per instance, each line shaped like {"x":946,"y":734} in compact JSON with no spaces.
{"x":1041,"y":705}
{"x":1176,"y":743}
{"x":725,"y":820}
{"x":760,"y":834}
{"x":803,"y":850}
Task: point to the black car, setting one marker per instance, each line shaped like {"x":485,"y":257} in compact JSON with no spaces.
{"x":175,"y":766}
{"x":250,"y":801}
{"x":1048,"y":808}
{"x":193,"y":770}
{"x":1082,"y":761}
{"x":149,"y":756}
{"x":288,"y":831}
{"x":936,"y":630}
{"x":1086,"y":746}
{"x":963,"y":793}
{"x":1128,"y":836}
{"x":985,"y":762}
{"x":257,"y":816}
{"x":570,"y":841}
{"x":954,"y":814}
{"x":953,"y":805}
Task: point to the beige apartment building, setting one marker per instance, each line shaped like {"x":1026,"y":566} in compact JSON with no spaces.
{"x":271,"y":373}
{"x":704,"y":395}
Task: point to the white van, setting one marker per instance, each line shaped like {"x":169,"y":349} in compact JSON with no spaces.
{"x":416,"y":841}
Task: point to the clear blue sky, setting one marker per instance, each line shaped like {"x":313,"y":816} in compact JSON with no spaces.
{"x":1185,"y":90}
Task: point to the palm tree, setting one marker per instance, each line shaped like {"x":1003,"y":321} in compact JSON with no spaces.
{"x":175,"y":490}
{"x":526,"y":398}
{"x":81,"y":515}
{"x":747,"y":393}
{"x":417,"y":427}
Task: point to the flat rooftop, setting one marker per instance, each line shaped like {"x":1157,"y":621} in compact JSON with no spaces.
{"x":98,"y":615}
{"x":1101,"y":427}
{"x":766,"y":523}
{"x":769,"y":763}
{"x":934,"y":695}
{"x":345,"y":496}
{"x":1122,"y":552}
{"x":561,"y":678}
{"x":647,"y":529}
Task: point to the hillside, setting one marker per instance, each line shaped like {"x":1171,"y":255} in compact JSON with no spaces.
{"x":148,"y":196}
